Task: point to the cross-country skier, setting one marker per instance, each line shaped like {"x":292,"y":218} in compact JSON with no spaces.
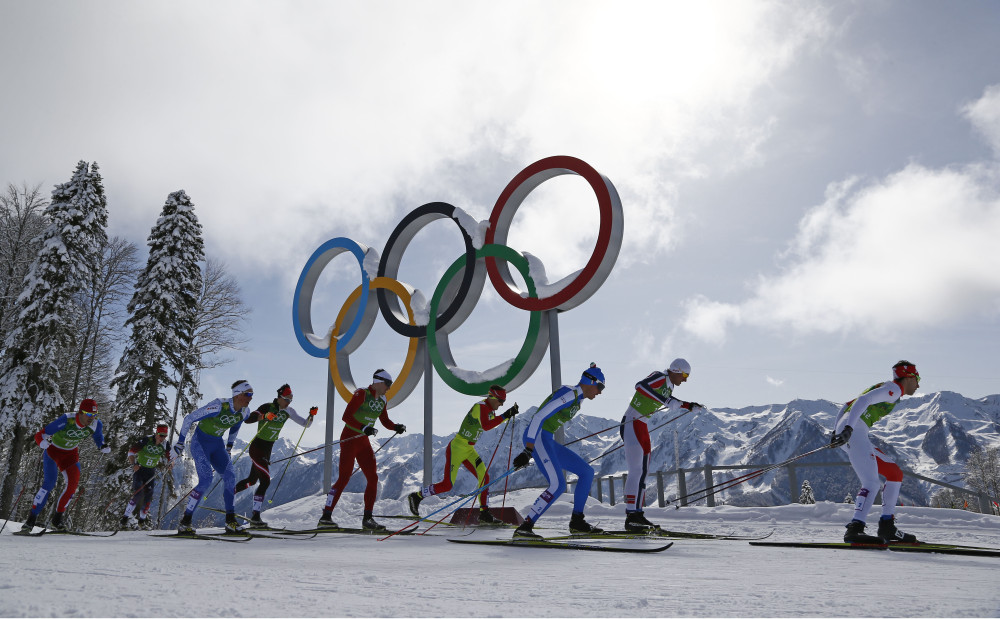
{"x":553,"y":458}
{"x":59,"y":442}
{"x":851,"y":434}
{"x":366,"y":406}
{"x":144,"y":456}
{"x":272,"y":417}
{"x":209,"y":451}
{"x":461,"y":452}
{"x":653,"y":393}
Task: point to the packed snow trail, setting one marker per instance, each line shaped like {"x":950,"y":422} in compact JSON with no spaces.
{"x":341,"y":575}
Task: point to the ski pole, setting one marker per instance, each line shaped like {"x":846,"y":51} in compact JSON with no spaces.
{"x":468,"y":519}
{"x":343,"y":440}
{"x":510,"y":450}
{"x":729,"y":483}
{"x":296,"y":448}
{"x":622,"y":444}
{"x":459,"y":499}
{"x":159,"y":474}
{"x":658,"y":409}
{"x":473,"y":495}
{"x":24,"y":484}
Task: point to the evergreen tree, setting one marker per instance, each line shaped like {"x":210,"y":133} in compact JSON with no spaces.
{"x":806,"y":495}
{"x":848,"y":499}
{"x":66,"y":257}
{"x":162,"y":315}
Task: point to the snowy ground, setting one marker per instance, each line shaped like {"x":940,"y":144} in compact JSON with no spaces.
{"x":135,"y":575}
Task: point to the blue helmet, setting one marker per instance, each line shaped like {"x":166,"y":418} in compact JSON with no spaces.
{"x":593,"y":376}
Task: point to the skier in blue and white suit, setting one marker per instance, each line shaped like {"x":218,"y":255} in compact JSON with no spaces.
{"x":553,"y":458}
{"x":209,"y":452}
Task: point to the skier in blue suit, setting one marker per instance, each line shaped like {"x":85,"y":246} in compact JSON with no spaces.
{"x":209,"y":452}
{"x":553,"y":458}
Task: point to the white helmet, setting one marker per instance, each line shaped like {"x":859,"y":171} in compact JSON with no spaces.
{"x":680,"y":366}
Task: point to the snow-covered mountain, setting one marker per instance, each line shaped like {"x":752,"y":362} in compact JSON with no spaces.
{"x":929,"y":434}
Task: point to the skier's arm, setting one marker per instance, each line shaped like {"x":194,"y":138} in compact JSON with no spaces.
{"x":296,"y":417}
{"x":488,"y":418}
{"x":863,"y":401}
{"x":99,"y":434}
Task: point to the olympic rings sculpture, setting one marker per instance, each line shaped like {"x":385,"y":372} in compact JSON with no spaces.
{"x":459,"y":289}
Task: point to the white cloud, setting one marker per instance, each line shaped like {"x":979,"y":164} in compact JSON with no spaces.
{"x":776,"y":382}
{"x":331,"y":121}
{"x":984,"y":114}
{"x":915,"y":249}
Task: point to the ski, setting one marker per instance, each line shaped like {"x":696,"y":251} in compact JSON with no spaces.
{"x":443,"y":523}
{"x":83,"y":533}
{"x":546,"y":543}
{"x":948,"y":549}
{"x":54,"y":532}
{"x":304,"y":536}
{"x":317,"y":531}
{"x":218,"y":538}
{"x":660,"y":533}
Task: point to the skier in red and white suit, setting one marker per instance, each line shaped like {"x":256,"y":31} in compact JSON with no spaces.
{"x":652,"y":394}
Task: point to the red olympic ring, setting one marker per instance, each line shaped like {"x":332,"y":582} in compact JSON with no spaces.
{"x":609,"y":238}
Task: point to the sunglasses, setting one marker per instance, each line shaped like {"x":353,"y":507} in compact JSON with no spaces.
{"x":248,"y":394}
{"x":600,"y":386}
{"x":88,"y":414}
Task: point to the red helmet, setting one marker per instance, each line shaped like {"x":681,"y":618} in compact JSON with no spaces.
{"x":88,"y":407}
{"x":902,"y":369}
{"x":163,"y":429}
{"x":498,"y":392}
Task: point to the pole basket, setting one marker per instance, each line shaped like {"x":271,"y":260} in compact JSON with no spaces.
{"x":470,"y":515}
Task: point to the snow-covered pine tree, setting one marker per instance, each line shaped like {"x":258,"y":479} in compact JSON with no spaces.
{"x":806,"y":495}
{"x":29,"y":370}
{"x":848,"y":499}
{"x":162,"y":313}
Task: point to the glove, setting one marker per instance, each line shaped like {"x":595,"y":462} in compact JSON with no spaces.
{"x":522,"y":459}
{"x":399,"y":428}
{"x":179,"y":448}
{"x":510,"y":412}
{"x":270,"y":416}
{"x":229,"y":449}
{"x":105,"y":449}
{"x":369,"y":430}
{"x":836,"y":440}
{"x":313,"y":411}
{"x":44,"y":444}
{"x":691,"y":405}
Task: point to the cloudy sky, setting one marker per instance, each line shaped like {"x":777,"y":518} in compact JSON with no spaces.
{"x":810,"y":190}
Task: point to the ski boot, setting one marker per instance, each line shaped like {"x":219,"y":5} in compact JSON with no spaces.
{"x":256,"y":522}
{"x":856,"y":534}
{"x":525,"y":531}
{"x":413,"y":500}
{"x":485,"y":517}
{"x":635,"y":522}
{"x":57,"y":523}
{"x":142,"y":523}
{"x":887,"y":530}
{"x":233,"y":527}
{"x":28,"y":525}
{"x":325,"y":522}
{"x":185,"y":528}
{"x":578,"y":525}
{"x":368,"y":523}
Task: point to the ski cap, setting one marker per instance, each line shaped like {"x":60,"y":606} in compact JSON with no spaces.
{"x":902,"y":369}
{"x":680,"y":366}
{"x":593,"y":376}
{"x":498,"y":392}
{"x":383,"y":376}
{"x":163,"y":429}
{"x":285,"y":392}
{"x":88,"y":407}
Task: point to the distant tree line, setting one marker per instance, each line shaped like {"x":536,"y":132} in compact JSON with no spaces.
{"x":72,"y":301}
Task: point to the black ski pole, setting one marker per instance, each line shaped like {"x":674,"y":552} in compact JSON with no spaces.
{"x":730,"y":483}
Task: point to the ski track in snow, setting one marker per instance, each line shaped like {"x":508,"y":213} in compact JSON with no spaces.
{"x":134,"y":575}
